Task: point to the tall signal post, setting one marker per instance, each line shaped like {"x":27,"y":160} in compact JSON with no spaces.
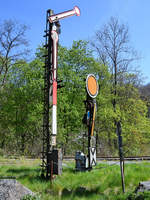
{"x":50,"y":164}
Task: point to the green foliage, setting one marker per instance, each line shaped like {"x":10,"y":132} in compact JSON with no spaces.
{"x":139,"y":196}
{"x":22,"y":106}
{"x":30,"y":197}
{"x":73,"y":66}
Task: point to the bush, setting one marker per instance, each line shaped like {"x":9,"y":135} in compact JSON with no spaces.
{"x":30,"y":197}
{"x":2,"y":153}
{"x":139,"y":196}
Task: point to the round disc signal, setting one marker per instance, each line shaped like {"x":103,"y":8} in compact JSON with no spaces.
{"x":92,"y":85}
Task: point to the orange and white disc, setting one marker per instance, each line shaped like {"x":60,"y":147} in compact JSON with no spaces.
{"x":92,"y":85}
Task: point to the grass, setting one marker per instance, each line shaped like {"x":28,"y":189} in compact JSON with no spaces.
{"x":102,"y":183}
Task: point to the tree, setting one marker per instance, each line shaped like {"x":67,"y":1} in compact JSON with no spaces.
{"x":12,"y":43}
{"x":21,"y":104}
{"x":74,"y":64}
{"x":112,"y":46}
{"x":21,"y":108}
{"x":113,"y":49}
{"x":145,"y":96}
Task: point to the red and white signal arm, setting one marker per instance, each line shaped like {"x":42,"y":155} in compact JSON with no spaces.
{"x":92,"y":86}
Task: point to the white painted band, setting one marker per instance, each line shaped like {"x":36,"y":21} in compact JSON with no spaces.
{"x":54,"y":36}
{"x":54,"y":120}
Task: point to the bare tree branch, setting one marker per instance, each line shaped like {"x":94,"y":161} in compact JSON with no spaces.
{"x":112,"y":46}
{"x":13,"y":45}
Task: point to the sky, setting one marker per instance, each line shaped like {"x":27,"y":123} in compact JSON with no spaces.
{"x":94,"y":13}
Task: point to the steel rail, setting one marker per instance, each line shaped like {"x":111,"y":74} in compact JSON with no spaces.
{"x":130,"y":158}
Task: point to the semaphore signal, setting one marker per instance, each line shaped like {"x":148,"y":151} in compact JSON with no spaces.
{"x":51,"y":156}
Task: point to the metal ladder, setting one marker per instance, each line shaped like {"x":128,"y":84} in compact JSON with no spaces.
{"x":47,"y":104}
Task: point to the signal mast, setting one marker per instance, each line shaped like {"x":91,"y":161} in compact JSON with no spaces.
{"x":51,"y":158}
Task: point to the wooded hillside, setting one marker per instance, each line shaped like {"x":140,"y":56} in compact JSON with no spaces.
{"x":21,"y":100}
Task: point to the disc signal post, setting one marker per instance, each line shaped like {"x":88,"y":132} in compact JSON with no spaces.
{"x":89,"y":118}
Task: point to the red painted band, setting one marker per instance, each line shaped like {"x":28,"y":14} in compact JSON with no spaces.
{"x":54,"y":93}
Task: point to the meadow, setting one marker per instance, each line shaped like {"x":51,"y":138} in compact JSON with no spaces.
{"x":102,"y":183}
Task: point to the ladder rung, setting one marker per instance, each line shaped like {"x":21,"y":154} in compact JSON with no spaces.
{"x":45,"y":55}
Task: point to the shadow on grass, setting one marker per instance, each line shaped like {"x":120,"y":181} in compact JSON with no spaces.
{"x":68,"y":170}
{"x":80,"y":192}
{"x":30,"y":174}
{"x":22,"y":170}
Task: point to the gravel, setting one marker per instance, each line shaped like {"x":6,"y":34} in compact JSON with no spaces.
{"x":143,"y":186}
{"x":10,"y":189}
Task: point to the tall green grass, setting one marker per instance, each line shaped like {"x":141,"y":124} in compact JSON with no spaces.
{"x":102,"y":183}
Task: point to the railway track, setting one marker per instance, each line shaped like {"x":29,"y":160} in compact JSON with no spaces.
{"x":100,"y":158}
